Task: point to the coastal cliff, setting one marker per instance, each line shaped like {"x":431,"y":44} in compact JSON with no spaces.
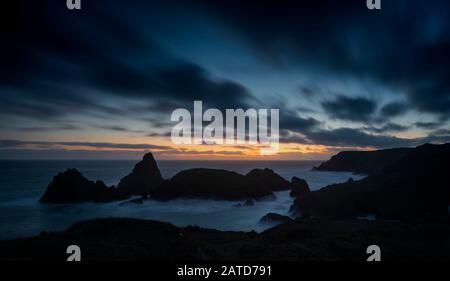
{"x":413,"y":187}
{"x":363,"y":162}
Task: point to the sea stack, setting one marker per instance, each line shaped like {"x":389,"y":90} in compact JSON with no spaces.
{"x":71,"y":187}
{"x":211,"y":184}
{"x":269,"y":178}
{"x":144,"y":178}
{"x":299,"y":187}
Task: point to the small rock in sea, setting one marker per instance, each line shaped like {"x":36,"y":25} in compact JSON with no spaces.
{"x":299,"y":187}
{"x":269,"y":178}
{"x":249,"y":202}
{"x":274,"y":218}
{"x":144,"y":178}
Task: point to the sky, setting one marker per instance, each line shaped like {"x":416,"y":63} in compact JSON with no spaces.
{"x":102,"y":82}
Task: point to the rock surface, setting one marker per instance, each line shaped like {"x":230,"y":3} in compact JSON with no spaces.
{"x":71,"y":187}
{"x":212,"y":184}
{"x":274,"y":218}
{"x":363,"y":162}
{"x":144,"y":178}
{"x":269,"y":178}
{"x":299,"y":187}
{"x":300,"y":240}
{"x":414,"y":187}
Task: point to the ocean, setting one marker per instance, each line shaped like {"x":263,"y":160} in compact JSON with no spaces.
{"x":23,"y":182}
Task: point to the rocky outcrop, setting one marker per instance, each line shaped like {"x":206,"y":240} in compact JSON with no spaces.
{"x":269,"y":178}
{"x":363,"y":162}
{"x":299,"y":187}
{"x":272,"y":218}
{"x":414,"y":187}
{"x":211,"y":183}
{"x":299,"y":240}
{"x":70,"y":187}
{"x":144,"y":178}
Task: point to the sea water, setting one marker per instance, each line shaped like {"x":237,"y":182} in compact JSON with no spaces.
{"x":23,"y":182}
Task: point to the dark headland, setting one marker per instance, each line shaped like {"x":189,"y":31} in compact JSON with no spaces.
{"x":406,"y":190}
{"x":363,"y":162}
{"x":415,"y":186}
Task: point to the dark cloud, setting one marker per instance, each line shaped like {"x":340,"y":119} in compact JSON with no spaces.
{"x":442,"y":132}
{"x":67,"y":127}
{"x":394,"y":109}
{"x":388,"y":128}
{"x":405,"y":46}
{"x":306,"y":92}
{"x":289,"y":137}
{"x":47,"y":144}
{"x":57,"y":63}
{"x":206,"y":152}
{"x":348,"y":137}
{"x":292,"y":122}
{"x":119,"y":129}
{"x":358,"y":109}
{"x":428,"y":125}
{"x":291,"y":31}
{"x":437,"y":137}
{"x":164,"y":134}
{"x":58,"y":154}
{"x":190,"y":82}
{"x":356,"y":137}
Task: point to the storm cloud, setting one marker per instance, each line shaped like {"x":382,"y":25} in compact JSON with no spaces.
{"x":351,"y":109}
{"x":115,"y":68}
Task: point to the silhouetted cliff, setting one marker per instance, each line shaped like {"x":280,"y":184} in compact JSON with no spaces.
{"x":211,"y":183}
{"x":70,"y":187}
{"x":269,"y":178}
{"x":363,"y":162}
{"x":415,"y":186}
{"x":144,"y":178}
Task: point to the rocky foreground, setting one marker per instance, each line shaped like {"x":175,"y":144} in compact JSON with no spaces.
{"x":299,"y":240}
